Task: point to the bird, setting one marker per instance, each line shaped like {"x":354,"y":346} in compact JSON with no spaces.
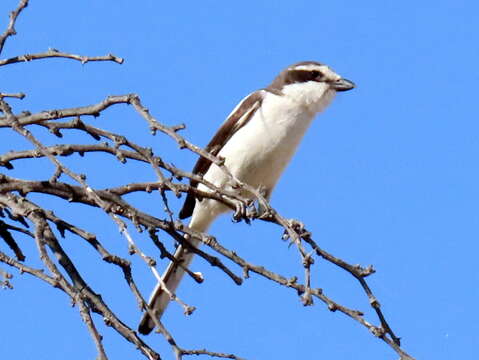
{"x":257,"y":141}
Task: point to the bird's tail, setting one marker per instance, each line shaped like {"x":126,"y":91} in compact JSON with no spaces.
{"x":172,"y":276}
{"x":159,"y":298}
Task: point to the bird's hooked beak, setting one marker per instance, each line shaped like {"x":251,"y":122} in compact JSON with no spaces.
{"x":342,"y":85}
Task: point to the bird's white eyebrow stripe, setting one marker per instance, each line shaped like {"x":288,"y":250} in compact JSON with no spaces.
{"x":308,"y":67}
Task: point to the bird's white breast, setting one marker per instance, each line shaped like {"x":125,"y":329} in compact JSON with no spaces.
{"x":258,"y":152}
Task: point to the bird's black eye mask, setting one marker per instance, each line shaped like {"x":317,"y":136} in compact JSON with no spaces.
{"x":302,"y":76}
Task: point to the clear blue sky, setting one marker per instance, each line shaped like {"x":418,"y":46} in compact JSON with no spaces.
{"x":388,"y":175}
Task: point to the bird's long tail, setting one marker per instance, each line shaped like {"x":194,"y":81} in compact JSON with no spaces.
{"x":172,"y":276}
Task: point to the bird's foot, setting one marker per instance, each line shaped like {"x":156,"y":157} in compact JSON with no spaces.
{"x":263,"y":210}
{"x":241,"y":212}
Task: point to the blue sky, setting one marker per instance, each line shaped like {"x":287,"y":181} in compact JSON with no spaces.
{"x":388,"y":175}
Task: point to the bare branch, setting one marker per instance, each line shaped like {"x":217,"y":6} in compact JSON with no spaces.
{"x":26,"y":269}
{"x":10,"y":241}
{"x":79,"y":289}
{"x":113,"y":196}
{"x":93,"y":110}
{"x":210,"y":353}
{"x":10,"y":31}
{"x":54,"y":53}
{"x":12,"y":95}
{"x":97,"y":338}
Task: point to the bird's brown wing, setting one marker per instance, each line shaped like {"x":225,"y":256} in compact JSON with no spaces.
{"x":235,"y":121}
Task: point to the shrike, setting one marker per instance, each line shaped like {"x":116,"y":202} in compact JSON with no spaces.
{"x":257,"y":141}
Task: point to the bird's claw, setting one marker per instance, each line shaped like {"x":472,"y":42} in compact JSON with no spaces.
{"x":241,"y":213}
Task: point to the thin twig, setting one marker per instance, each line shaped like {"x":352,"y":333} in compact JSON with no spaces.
{"x":97,"y":338}
{"x":54,"y":53}
{"x":93,"y":110}
{"x":12,"y":95}
{"x":210,"y":353}
{"x":10,"y":31}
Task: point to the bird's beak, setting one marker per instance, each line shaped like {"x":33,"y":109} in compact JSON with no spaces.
{"x":342,"y":85}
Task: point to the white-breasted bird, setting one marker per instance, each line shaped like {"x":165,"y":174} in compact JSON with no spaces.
{"x":257,"y":141}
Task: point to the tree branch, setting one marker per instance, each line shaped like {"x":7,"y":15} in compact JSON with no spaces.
{"x":12,"y":95}
{"x":10,"y":31}
{"x":54,"y":53}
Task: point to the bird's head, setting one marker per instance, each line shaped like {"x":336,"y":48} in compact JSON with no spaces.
{"x":310,"y":83}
